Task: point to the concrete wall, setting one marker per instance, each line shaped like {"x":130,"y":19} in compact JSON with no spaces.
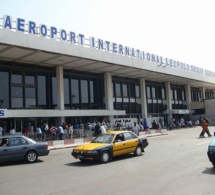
{"x":197,"y":105}
{"x":209,"y":106}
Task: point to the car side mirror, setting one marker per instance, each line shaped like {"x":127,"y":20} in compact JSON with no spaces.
{"x":214,"y":134}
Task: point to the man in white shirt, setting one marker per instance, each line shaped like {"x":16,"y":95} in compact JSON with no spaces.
{"x":136,"y":128}
{"x":102,"y":128}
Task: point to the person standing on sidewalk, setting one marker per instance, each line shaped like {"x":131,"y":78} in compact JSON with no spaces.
{"x":136,"y":128}
{"x":205,"y":123}
{"x":60,"y":132}
{"x":102,"y":128}
{"x":53,"y":131}
{"x":70,"y":131}
{"x":39,"y":133}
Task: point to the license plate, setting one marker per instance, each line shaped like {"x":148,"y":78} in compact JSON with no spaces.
{"x":80,"y":156}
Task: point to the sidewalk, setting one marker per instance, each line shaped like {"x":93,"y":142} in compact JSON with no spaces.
{"x":69,"y":143}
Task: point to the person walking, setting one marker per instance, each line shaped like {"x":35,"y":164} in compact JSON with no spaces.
{"x":102,"y":128}
{"x":205,"y":123}
{"x":39,"y":133}
{"x":136,"y":128}
{"x":70,"y":131}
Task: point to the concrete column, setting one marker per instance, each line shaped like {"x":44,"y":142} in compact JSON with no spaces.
{"x":168,"y":99}
{"x":143,"y":98}
{"x":203,"y":93}
{"x":108,"y":94}
{"x":60,"y":90}
{"x":188,"y":95}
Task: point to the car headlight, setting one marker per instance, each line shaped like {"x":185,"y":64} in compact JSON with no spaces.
{"x":74,"y":150}
{"x":211,"y":148}
{"x":92,"y":152}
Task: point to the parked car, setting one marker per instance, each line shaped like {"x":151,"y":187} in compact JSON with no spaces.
{"x":211,"y":151}
{"x":18,"y":147}
{"x":111,"y":144}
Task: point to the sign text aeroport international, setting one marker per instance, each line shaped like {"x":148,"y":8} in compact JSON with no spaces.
{"x":52,"y":32}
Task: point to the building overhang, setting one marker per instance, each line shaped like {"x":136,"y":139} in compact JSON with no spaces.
{"x":21,"y":47}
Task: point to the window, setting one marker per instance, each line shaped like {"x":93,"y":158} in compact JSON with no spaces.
{"x":125,"y":90}
{"x":128,"y":136}
{"x":17,"y":97}
{"x":16,"y":78}
{"x":137,"y":91}
{"x":119,"y":137}
{"x":75,"y":91}
{"x":175,"y":94}
{"x":91,"y":92}
{"x":66,"y":91}
{"x":148,"y":92}
{"x":118,"y":90}
{"x":163,"y":94}
{"x":54,"y":91}
{"x":4,"y":84}
{"x":132,"y":90}
{"x":84,"y":92}
{"x":153,"y":93}
{"x":29,"y":80}
{"x":30,"y":97}
{"x":17,"y":141}
{"x":41,"y":91}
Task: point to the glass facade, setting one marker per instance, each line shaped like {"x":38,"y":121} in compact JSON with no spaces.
{"x":36,"y":88}
{"x":126,"y":95}
{"x":178,"y":97}
{"x":156,"y":98}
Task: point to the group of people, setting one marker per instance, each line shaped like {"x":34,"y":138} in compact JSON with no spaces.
{"x":45,"y":131}
{"x":60,"y":132}
{"x":176,"y":123}
{"x":12,"y":131}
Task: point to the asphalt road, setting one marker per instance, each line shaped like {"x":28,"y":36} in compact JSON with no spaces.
{"x":173,"y":164}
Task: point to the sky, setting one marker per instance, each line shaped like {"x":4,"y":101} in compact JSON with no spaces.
{"x":182,"y":30}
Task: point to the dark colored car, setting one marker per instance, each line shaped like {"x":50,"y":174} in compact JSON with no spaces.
{"x":111,"y":144}
{"x":211,"y":151}
{"x":18,"y":147}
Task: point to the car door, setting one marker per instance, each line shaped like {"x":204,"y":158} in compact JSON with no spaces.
{"x":4,"y":151}
{"x":119,"y":145}
{"x":131,"y":142}
{"x":17,"y":148}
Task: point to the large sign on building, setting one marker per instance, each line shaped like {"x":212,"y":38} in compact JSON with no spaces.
{"x":41,"y":30}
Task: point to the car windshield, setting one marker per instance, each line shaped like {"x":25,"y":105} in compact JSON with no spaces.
{"x":103,"y":138}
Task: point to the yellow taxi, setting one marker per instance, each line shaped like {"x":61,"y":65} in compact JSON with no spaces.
{"x":111,"y":144}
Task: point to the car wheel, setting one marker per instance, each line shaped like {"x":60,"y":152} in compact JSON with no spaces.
{"x":138,"y":151}
{"x":31,"y":156}
{"x":105,"y":157}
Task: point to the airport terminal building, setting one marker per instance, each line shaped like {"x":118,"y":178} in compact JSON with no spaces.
{"x":50,"y":74}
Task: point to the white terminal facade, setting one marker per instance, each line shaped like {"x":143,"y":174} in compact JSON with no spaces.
{"x":51,"y":75}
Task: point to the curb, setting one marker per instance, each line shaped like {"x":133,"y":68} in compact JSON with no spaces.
{"x":70,"y":143}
